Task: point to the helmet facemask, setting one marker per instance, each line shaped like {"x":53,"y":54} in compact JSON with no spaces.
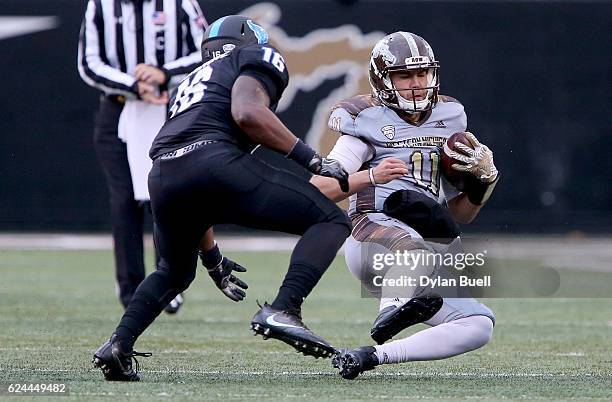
{"x":391,"y":95}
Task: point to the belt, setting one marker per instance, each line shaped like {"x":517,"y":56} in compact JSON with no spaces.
{"x":185,"y":150}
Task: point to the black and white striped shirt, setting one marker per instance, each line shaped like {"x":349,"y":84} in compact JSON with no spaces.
{"x":116,"y":35}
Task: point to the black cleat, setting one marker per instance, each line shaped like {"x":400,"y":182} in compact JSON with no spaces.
{"x":175,"y":305}
{"x":287,"y":326}
{"x":392,"y":320}
{"x":353,"y":362}
{"x":116,"y":365}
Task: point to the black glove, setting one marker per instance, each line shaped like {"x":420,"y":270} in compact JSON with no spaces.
{"x":221,"y":273}
{"x":307,"y":157}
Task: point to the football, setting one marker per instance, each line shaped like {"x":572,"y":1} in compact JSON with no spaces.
{"x":454,"y":177}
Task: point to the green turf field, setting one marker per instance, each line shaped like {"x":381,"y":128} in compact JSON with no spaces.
{"x":56,"y":307}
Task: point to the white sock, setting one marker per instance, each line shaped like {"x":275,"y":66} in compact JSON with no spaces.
{"x":391,"y":301}
{"x":442,"y":341}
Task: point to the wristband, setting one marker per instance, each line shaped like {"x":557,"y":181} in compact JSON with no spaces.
{"x":211,"y":258}
{"x":478,"y":193}
{"x":301,"y":153}
{"x":371,"y":174}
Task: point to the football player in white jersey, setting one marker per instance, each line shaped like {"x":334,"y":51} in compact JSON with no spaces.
{"x":391,"y":142}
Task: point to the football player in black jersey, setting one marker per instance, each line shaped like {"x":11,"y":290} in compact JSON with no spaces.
{"x":204,"y":174}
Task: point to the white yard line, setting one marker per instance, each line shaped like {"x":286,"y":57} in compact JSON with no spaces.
{"x":411,"y":373}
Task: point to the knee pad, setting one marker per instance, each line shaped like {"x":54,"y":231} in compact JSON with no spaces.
{"x":482,"y":328}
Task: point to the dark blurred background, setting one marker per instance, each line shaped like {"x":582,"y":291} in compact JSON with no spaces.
{"x":534,"y":78}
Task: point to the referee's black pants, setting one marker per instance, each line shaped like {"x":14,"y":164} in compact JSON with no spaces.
{"x":218,"y":183}
{"x":127,"y":215}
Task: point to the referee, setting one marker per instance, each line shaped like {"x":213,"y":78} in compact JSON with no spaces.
{"x":133,"y":49}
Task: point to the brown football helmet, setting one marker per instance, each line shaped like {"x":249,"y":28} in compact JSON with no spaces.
{"x":403,"y":51}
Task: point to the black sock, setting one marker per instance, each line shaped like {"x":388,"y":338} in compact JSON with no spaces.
{"x":309,"y":261}
{"x":298,"y":283}
{"x":153,"y":294}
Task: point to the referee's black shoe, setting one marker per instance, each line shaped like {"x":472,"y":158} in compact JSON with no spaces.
{"x":175,"y":304}
{"x":287,"y":326}
{"x":115,"y":363}
{"x":394,"y":319}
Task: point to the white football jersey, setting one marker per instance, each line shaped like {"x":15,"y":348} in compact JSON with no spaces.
{"x":372,"y":132}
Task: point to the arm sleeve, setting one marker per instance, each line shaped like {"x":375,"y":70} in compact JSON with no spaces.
{"x":92,"y":64}
{"x":351,"y":152}
{"x":194,"y":24}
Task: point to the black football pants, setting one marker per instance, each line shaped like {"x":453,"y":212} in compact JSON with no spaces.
{"x":218,"y":183}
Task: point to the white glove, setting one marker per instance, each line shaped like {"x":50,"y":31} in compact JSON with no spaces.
{"x":478,"y":160}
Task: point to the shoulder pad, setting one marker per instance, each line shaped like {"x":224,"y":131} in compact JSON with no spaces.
{"x":357,"y":104}
{"x":264,"y":55}
{"x":447,"y":99}
{"x":267,"y":60}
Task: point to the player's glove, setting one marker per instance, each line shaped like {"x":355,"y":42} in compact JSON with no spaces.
{"x":330,"y":168}
{"x":220,"y":270}
{"x":477,"y":159}
{"x":307,"y":157}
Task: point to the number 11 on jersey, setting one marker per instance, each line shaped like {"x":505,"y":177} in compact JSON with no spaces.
{"x":418,"y":171}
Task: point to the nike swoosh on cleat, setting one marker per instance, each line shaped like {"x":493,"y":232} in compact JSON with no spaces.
{"x":270,"y":320}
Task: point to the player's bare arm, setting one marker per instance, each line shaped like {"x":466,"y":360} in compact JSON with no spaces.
{"x":462,"y":209}
{"x":387,"y":170}
{"x":250,"y":111}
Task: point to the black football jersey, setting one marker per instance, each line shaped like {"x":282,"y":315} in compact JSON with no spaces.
{"x":201,"y":107}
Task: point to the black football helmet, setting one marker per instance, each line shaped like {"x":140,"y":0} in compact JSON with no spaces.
{"x":403,"y":51}
{"x":223,"y":35}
